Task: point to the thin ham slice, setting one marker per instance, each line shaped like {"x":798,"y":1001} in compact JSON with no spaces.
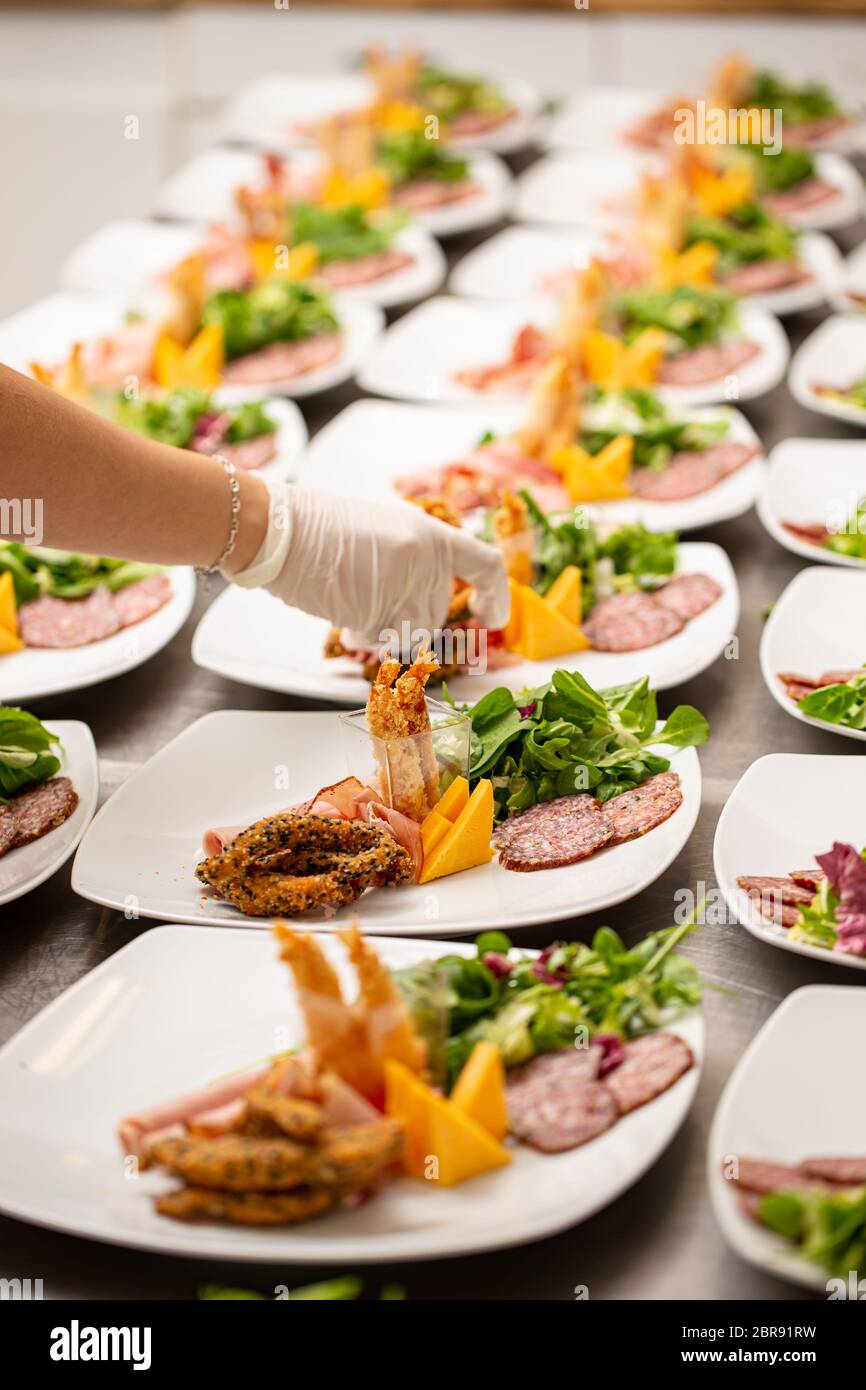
{"x":182,"y":1110}
{"x":480,"y":479}
{"x":283,"y":361}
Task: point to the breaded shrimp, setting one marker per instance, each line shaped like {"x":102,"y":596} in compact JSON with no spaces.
{"x":390,"y":1028}
{"x":399,"y":722}
{"x":553,"y":419}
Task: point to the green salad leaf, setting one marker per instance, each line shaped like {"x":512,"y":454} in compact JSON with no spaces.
{"x":852,"y":540}
{"x":450,"y":94}
{"x":692,"y":316}
{"x":842,"y":703}
{"x":343,"y":234}
{"x":272,"y":311}
{"x":408,"y":154}
{"x":25,"y":751}
{"x":747,"y":234}
{"x":828,"y":1228}
{"x":798,"y":102}
{"x":657,"y":433}
{"x":176,"y":417}
{"x":775,"y":171}
{"x":38,"y":570}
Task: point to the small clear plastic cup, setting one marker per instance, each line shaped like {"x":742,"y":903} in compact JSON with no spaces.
{"x":411,"y":772}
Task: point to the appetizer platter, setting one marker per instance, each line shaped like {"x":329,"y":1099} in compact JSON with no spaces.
{"x":816,"y":909}
{"x":785,"y":1162}
{"x":587,"y":1117}
{"x":368,"y":255}
{"x":455,"y":350}
{"x":812,"y":115}
{"x":49,"y":783}
{"x":689,"y":468}
{"x":450,"y":196}
{"x":287,"y":336}
{"x":475,"y":112}
{"x":813,"y":499}
{"x":828,"y":371}
{"x":68,"y":621}
{"x":814,"y":669}
{"x":600,"y":190}
{"x":525,"y":261}
{"x":402,"y":794}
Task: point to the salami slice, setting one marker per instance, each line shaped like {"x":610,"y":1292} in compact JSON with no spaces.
{"x":553,"y":834}
{"x":850,"y":1172}
{"x":42,"y":809}
{"x":808,"y":878}
{"x":807,"y":194}
{"x":762,"y":1177}
{"x":763,"y":277}
{"x":633,"y":813}
{"x":687,"y":475}
{"x":697,"y":366}
{"x":138,"y":601}
{"x":840,"y":677}
{"x":651,"y":1065}
{"x":283,"y":361}
{"x":630,"y":622}
{"x":7,"y":829}
{"x":362,"y":270}
{"x":421,"y":194}
{"x":687,"y":595}
{"x":554,"y":1102}
{"x":61,"y":622}
{"x":783,"y":890}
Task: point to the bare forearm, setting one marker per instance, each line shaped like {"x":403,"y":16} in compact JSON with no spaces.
{"x":105,"y":490}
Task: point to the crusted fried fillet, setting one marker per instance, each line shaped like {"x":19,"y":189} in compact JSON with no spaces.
{"x":272,"y":1115}
{"x":290,"y":863}
{"x":246,"y":1208}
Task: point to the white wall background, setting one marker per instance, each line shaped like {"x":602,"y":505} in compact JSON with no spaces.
{"x":68,"y":81}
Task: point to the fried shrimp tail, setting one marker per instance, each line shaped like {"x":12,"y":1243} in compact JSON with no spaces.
{"x":391,"y":1030}
{"x":399,"y":722}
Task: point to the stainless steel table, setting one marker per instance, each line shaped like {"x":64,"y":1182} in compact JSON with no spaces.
{"x":659,"y":1240}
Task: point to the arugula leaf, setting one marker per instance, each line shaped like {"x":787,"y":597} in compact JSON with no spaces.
{"x":843,"y":703}
{"x":25,"y":751}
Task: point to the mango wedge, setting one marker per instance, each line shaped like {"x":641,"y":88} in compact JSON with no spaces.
{"x":564,"y":594}
{"x":537,"y":628}
{"x":8,"y":610}
{"x":480,"y":1089}
{"x":445,"y":1146}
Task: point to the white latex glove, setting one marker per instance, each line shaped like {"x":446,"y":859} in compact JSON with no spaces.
{"x":371,"y":567}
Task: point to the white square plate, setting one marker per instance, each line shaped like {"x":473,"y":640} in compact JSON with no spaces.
{"x":416,"y":358}
{"x":47,"y":331}
{"x":269,"y":110}
{"x":797,"y":635}
{"x":136,"y":255}
{"x":834,"y":355}
{"x":234,"y":767}
{"x":522,"y":262}
{"x":601,"y":117}
{"x":141,"y":1028}
{"x":785,"y":809}
{"x":371,"y":443}
{"x":204,"y":189}
{"x":784,"y":1102}
{"x":813,"y":480}
{"x":22,"y":870}
{"x":594,"y":188}
{"x":37,"y":671}
{"x":248,"y":636}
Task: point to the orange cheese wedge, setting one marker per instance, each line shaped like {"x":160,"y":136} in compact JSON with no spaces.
{"x":480,"y":1089}
{"x":8,"y":610}
{"x":564,"y":594}
{"x":445,"y":1145}
{"x":467,"y":842}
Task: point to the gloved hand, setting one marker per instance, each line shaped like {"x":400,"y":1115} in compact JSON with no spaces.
{"x":371,"y":567}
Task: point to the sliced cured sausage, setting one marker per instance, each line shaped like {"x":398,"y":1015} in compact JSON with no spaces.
{"x":138,"y":601}
{"x":687,"y":595}
{"x":651,"y":1065}
{"x":553,"y":833}
{"x":630,"y":622}
{"x":848,"y":1171}
{"x":783,"y":890}
{"x":283,"y":361}
{"x":634,"y":812}
{"x":61,"y":622}
{"x":421,"y":194}
{"x":697,"y":366}
{"x":42,"y":809}
{"x":762,"y":1177}
{"x":251,"y":453}
{"x":341,"y":275}
{"x":807,"y":194}
{"x":690,"y":473}
{"x":554,"y":1102}
{"x":763,"y":277}
{"x":7,"y":828}
{"x":808,"y":878}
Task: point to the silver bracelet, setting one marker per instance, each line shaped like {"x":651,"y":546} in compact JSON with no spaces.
{"x":235,"y":522}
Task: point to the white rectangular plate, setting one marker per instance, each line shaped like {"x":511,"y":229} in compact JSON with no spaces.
{"x":797,"y":635}
{"x":47,"y":331}
{"x":269,"y":111}
{"x":178,"y":1007}
{"x":38,"y":671}
{"x":834,"y":355}
{"x":813,"y":480}
{"x":205,"y":188}
{"x":783,"y":1102}
{"x":23,"y":869}
{"x":137,"y":255}
{"x":371,"y":443}
{"x":237,"y":766}
{"x":784,"y":810}
{"x":416,"y":358}
{"x":253,"y":638}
